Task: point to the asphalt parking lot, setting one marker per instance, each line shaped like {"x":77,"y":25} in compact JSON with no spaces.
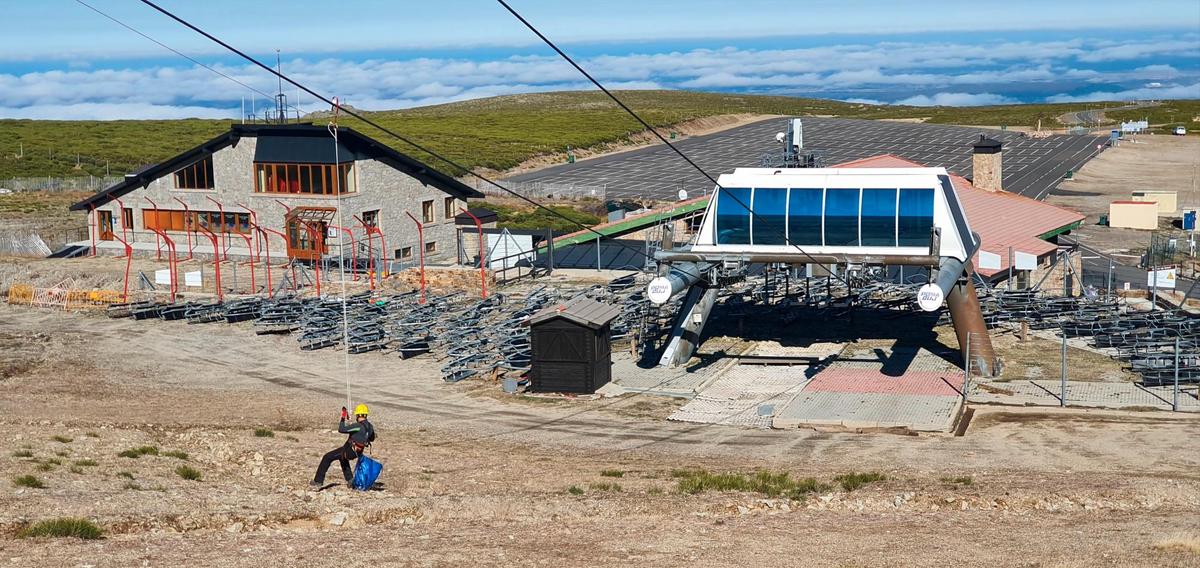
{"x":1031,"y":167}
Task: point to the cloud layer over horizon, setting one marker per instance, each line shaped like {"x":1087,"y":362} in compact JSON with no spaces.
{"x":936,"y":72}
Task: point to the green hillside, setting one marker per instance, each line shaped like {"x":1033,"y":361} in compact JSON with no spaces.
{"x":496,"y":133}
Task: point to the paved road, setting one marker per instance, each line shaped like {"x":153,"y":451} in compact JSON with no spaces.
{"x":1031,"y":167}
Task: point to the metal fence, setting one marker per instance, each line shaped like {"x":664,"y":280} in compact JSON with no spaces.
{"x":80,"y":183}
{"x":544,"y":190}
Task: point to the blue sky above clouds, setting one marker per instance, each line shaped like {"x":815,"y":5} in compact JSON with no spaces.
{"x":60,"y":60}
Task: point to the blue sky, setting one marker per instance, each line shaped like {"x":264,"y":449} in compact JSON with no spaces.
{"x":58,"y":59}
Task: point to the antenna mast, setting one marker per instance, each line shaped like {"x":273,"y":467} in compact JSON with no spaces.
{"x":280,"y":98}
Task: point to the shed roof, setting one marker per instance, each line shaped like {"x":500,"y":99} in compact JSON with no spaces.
{"x":1001,"y":219}
{"x":581,"y":310}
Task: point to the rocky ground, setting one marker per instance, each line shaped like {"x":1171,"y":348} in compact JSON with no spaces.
{"x":495,"y":481}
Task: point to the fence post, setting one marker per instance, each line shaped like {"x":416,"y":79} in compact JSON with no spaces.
{"x":1175,"y":390}
{"x":1062,"y":398}
{"x":967,"y":370}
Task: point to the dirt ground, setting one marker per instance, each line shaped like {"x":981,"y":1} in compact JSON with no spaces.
{"x":1149,"y":162}
{"x":473,"y":480}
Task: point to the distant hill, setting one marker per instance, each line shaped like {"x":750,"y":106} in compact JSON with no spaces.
{"x":497,"y":133}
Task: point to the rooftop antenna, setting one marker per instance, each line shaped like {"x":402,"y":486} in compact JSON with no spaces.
{"x":280,"y":98}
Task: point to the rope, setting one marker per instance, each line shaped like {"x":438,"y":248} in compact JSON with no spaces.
{"x":337,"y":192}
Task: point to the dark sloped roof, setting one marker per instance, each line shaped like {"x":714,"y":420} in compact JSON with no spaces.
{"x":987,"y":145}
{"x":360,"y":145}
{"x":581,"y":310}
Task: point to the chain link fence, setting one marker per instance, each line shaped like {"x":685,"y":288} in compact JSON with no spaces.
{"x":543,"y":190}
{"x":80,"y":183}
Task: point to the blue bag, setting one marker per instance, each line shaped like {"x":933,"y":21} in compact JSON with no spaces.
{"x":365,"y":473}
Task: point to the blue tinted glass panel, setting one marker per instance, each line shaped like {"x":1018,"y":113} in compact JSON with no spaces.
{"x":770,"y":216}
{"x":916,"y":217}
{"x":879,"y":217}
{"x":804,"y":217}
{"x":733,"y":217}
{"x":841,"y":217}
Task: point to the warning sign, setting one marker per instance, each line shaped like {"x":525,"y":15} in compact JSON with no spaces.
{"x":1162,"y":278}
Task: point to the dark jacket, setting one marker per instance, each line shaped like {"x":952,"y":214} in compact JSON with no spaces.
{"x":361,"y":433}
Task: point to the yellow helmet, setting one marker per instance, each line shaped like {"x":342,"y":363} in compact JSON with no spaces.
{"x":361,"y":410}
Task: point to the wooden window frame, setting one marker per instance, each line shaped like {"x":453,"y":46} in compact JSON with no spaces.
{"x":430,"y":247}
{"x":201,"y":175}
{"x":406,"y":253}
{"x":427,"y":212}
{"x":448,"y":207}
{"x":277,"y":178}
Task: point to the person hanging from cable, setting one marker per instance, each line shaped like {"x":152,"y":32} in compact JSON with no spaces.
{"x":360,"y":434}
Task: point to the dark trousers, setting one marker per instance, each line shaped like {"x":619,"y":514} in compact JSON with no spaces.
{"x":342,"y":455}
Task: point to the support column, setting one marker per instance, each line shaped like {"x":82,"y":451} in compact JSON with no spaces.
{"x":967,"y":316}
{"x":685,"y":337}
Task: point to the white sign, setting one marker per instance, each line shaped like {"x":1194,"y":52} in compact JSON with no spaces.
{"x":331,"y":233}
{"x":1024,"y":261}
{"x":989,"y":261}
{"x":682,"y":194}
{"x":193,"y":279}
{"x":162,"y":276}
{"x":930,"y":297}
{"x":1162,"y":278}
{"x":506,"y":249}
{"x":659,"y":290}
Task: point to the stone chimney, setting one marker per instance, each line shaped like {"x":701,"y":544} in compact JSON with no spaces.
{"x":985,"y":164}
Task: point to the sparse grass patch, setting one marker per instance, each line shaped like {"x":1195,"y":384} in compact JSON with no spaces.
{"x":656,"y":490}
{"x":855,"y":480}
{"x":575,"y":490}
{"x":188,"y":472}
{"x":612,"y":473}
{"x":264,"y":433}
{"x":29,"y":481}
{"x":86,"y":463}
{"x":53,"y":461}
{"x":291,"y":438}
{"x":139,"y":452}
{"x":62,"y":439}
{"x":1181,"y":542}
{"x":132,"y":486}
{"x":62,"y":454}
{"x":63,"y":528}
{"x":682,"y":473}
{"x":76,"y":469}
{"x":22,"y":454}
{"x":45,"y":466}
{"x":125,"y":474}
{"x":965,"y":480}
{"x":177,"y":454}
{"x":93,"y":435}
{"x":764,"y":482}
{"x":605,"y":486}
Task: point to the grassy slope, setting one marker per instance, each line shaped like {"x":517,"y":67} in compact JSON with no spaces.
{"x":497,"y":133}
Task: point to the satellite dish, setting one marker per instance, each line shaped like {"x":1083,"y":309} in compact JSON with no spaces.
{"x":780,"y":137}
{"x":682,"y":194}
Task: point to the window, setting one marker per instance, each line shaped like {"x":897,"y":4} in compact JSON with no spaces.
{"x":841,"y":217}
{"x":916,"y":217}
{"x":127,"y":218}
{"x":733,"y":218}
{"x":430,"y":247}
{"x":879,"y":217}
{"x":370,"y":218}
{"x":804,"y":216}
{"x":448,"y":208}
{"x":405,"y":253}
{"x":427,"y":211}
{"x":176,"y":220}
{"x":199,"y":175}
{"x":770,"y":216}
{"x":304,"y":179}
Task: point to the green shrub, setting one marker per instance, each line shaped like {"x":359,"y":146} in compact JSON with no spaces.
{"x":63,"y":439}
{"x":63,"y":528}
{"x":45,"y":466}
{"x":855,"y":480}
{"x":139,"y":452}
{"x":612,"y":473}
{"x":176,"y":454}
{"x":187,"y":472}
{"x":763,"y":482}
{"x":264,"y":433}
{"x":28,"y":481}
{"x":86,"y":463}
{"x":75,"y":469}
{"x":605,"y":486}
{"x":575,"y":490}
{"x":22,"y":454}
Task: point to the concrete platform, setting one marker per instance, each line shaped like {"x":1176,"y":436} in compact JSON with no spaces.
{"x":745,"y":395}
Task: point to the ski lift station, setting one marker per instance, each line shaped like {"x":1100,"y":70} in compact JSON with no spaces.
{"x":829,"y":219}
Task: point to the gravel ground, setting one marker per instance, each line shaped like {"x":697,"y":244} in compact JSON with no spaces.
{"x":485,"y":480}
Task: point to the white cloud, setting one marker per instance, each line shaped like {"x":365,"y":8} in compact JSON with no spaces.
{"x":1191,"y":91}
{"x":956,"y":99}
{"x":114,"y":111}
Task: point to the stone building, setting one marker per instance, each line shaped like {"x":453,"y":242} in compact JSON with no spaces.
{"x":290,"y":185}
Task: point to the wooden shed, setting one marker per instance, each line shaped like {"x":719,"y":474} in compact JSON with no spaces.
{"x":571,"y":348}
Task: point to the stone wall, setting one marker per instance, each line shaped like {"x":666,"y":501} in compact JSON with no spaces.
{"x":985,"y":171}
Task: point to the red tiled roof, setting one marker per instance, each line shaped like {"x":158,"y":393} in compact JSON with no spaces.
{"x":1002,"y":219}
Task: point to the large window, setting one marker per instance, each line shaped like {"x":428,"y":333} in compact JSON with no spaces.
{"x":916,"y":217}
{"x":427,"y":211}
{"x":879,"y":217}
{"x":448,"y":208}
{"x":199,"y":175}
{"x":176,"y":220}
{"x":770,"y":216}
{"x":733,"y":217}
{"x":841,"y":217}
{"x":804,"y":216}
{"x":305,"y":179}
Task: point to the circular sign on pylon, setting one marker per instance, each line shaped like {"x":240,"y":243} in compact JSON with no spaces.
{"x":930,"y":297}
{"x":659,"y":290}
